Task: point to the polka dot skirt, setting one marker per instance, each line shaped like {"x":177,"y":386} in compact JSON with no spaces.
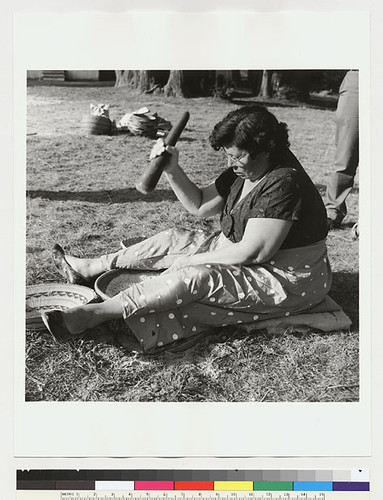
{"x":185,"y":302}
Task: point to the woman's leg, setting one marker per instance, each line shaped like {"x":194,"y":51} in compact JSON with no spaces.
{"x":161,"y":293}
{"x":155,"y":253}
{"x":89,"y":268}
{"x":81,"y":318}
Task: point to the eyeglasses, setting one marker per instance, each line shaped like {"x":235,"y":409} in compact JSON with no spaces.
{"x":234,"y":160}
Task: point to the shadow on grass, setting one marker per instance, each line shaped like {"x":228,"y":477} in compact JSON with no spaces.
{"x":119,"y":195}
{"x":186,"y":139}
{"x":313,"y":103}
{"x":345,"y":291}
{"x":129,"y":195}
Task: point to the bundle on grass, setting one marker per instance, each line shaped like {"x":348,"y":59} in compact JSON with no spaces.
{"x":98,"y":121}
{"x":143,"y":122}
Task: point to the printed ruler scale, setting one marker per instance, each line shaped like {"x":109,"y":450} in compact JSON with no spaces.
{"x":153,"y":495}
{"x":183,"y":485}
{"x":264,"y":495}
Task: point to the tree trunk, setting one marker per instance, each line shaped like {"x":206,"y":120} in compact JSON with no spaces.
{"x":133,"y":79}
{"x":120,"y":77}
{"x":128,"y":78}
{"x":144,"y":81}
{"x":265,"y":90}
{"x":236,"y":77}
{"x":276,"y":82}
{"x":291,"y":84}
{"x":255,"y":78}
{"x":175,"y":84}
{"x":303,"y":85}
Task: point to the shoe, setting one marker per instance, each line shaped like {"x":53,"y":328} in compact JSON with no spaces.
{"x":65,"y":269}
{"x":355,"y":231}
{"x":332,"y":224}
{"x":54,"y":322}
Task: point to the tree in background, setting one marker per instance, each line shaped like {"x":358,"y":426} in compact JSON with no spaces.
{"x":175,"y":85}
{"x":254,"y":78}
{"x":265,"y":89}
{"x":266,"y":84}
{"x":134,"y":79}
{"x":297,"y":84}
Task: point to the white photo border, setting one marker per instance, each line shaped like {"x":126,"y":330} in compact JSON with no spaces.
{"x":235,"y":40}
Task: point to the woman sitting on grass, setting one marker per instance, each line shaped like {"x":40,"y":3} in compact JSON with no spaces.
{"x":269,"y":259}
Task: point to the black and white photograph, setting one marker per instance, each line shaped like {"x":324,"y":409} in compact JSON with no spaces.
{"x":192,"y":235}
{"x":192,"y":242}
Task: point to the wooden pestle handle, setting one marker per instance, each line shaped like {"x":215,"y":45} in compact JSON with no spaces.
{"x":152,"y":173}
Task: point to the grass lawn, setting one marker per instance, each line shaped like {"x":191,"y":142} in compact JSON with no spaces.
{"x":80,"y":193}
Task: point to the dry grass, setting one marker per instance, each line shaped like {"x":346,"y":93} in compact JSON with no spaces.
{"x":80,"y":192}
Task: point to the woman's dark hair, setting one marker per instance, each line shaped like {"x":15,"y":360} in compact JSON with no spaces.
{"x":253,"y":129}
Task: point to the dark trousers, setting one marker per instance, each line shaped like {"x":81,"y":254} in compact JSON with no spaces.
{"x":347,"y":148}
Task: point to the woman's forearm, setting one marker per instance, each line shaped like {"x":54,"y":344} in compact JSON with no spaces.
{"x":186,"y":191}
{"x":231,"y":255}
{"x":261,"y":241}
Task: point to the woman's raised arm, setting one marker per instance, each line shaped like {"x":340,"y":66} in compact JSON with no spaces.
{"x":203,"y":202}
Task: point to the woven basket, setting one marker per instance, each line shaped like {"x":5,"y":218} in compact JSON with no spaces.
{"x":40,"y":298}
{"x":96,"y":125}
{"x":113,"y":282}
{"x":142,"y":125}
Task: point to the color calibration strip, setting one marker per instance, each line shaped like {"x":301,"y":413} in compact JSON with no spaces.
{"x":193,"y":485}
{"x":218,"y":486}
{"x":202,"y":476}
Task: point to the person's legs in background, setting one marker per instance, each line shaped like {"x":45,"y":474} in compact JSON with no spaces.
{"x":347,"y":150}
